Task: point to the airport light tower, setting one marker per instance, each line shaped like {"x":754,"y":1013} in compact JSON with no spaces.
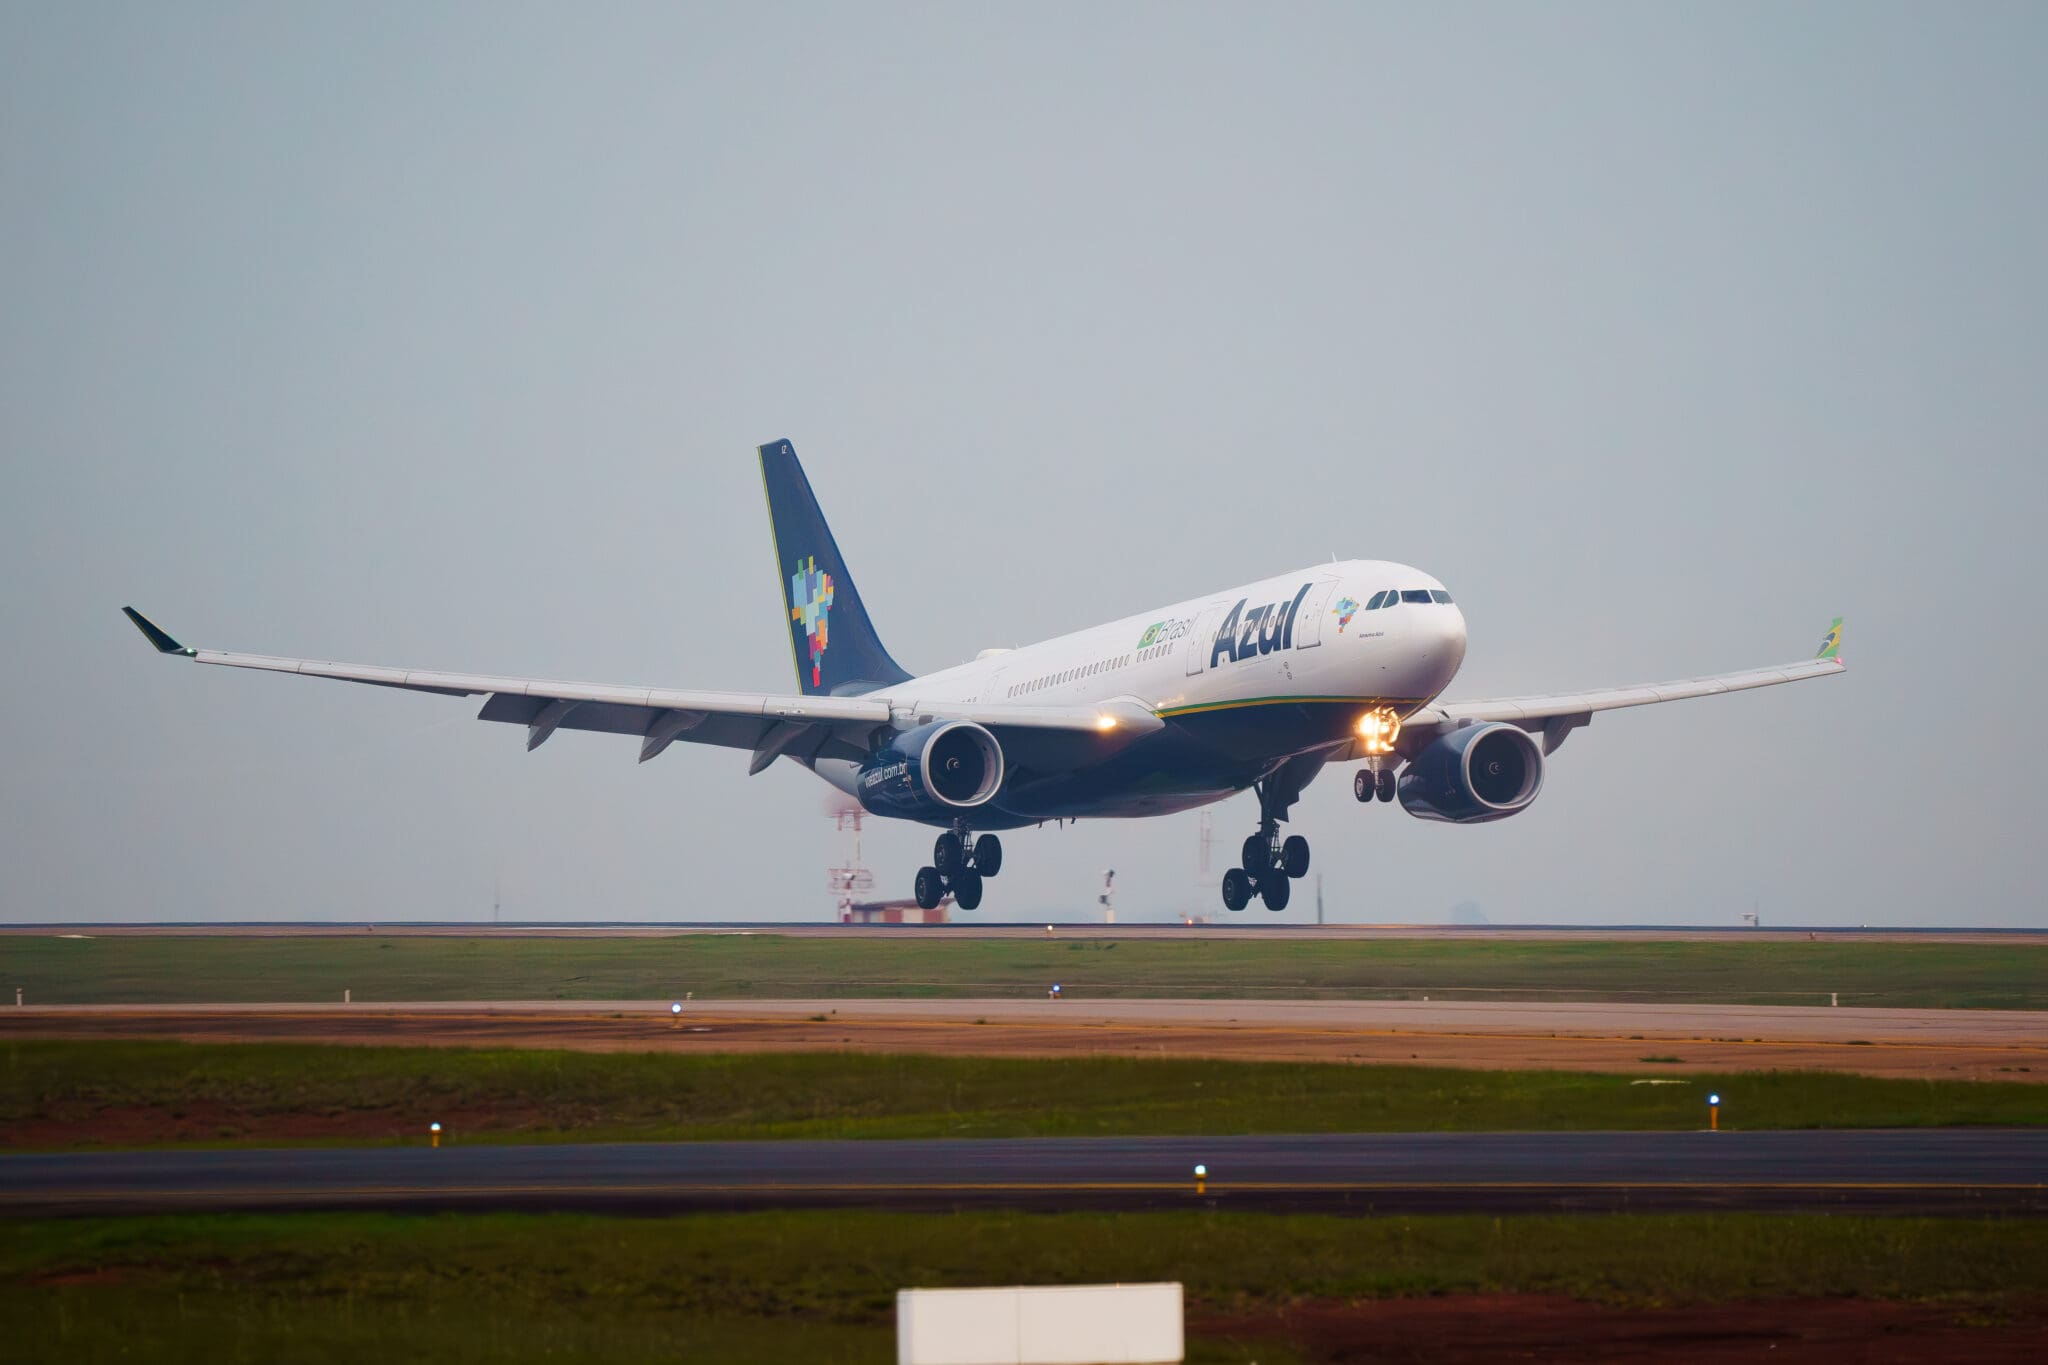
{"x":849,"y":876}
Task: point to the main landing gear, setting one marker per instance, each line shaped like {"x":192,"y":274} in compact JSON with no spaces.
{"x":959,"y":862}
{"x":1269,"y":864}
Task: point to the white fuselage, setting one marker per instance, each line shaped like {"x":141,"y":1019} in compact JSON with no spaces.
{"x":1305,"y":636}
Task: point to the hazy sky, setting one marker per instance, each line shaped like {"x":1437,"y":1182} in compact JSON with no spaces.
{"x":443,"y":335}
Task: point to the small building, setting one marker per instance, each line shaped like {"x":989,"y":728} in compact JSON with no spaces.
{"x":894,"y":912}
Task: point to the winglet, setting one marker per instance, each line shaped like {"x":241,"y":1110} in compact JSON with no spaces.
{"x":1831,"y":643}
{"x":155,"y":635}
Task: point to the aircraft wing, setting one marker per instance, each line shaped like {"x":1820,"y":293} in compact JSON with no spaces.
{"x":1557,"y":714}
{"x":767,"y":724}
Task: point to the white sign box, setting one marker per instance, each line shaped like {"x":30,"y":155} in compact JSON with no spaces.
{"x":1089,"y":1324}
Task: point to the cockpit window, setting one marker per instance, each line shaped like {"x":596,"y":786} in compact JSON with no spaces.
{"x":1442,"y":598}
{"x":1379,"y":599}
{"x":1393,"y":598}
{"x":1415,"y":595}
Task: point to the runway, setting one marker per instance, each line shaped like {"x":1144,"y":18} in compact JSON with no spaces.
{"x":1934,"y":1171}
{"x":1065,"y":928}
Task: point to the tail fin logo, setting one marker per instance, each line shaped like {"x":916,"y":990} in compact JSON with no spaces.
{"x":1831,"y":643}
{"x":810,"y":596}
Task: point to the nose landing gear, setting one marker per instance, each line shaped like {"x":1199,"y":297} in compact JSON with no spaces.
{"x":1367,"y":783}
{"x":1378,"y":733}
{"x":959,"y":862}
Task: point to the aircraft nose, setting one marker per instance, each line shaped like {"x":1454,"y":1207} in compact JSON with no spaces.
{"x":1440,"y":633}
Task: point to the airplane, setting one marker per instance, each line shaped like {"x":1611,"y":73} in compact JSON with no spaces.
{"x":1255,"y":687}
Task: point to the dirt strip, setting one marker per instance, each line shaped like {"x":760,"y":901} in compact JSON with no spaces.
{"x":1462,"y":1329}
{"x":711,"y":1028}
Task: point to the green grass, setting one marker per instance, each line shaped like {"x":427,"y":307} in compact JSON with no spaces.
{"x":75,"y":1093}
{"x":159,"y":970}
{"x":820,"y":1286}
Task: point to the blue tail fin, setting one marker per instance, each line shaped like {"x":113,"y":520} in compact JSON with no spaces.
{"x":836,"y":648}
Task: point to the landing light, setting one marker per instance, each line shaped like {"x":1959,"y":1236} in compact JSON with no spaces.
{"x":1105,"y":722}
{"x":1378,"y":729}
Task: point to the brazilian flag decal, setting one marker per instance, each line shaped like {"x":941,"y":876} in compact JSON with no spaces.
{"x":1831,"y":643}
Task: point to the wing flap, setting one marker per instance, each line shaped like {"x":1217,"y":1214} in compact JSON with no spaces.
{"x":767,"y":725}
{"x":855,"y":710}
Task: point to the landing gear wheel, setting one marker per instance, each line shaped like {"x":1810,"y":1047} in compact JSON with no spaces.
{"x":1294,"y":856}
{"x":1362,"y":783}
{"x":930,"y":889}
{"x":1258,"y":853}
{"x":967,"y":890}
{"x":948,"y":856}
{"x":988,"y":855}
{"x":1275,"y":891}
{"x":1237,"y":889}
{"x":1387,"y":784}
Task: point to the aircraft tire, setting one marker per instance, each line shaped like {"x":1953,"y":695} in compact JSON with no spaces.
{"x":1294,"y":856}
{"x":1258,"y":854}
{"x":988,"y":855}
{"x":1237,"y":889}
{"x":1387,"y":784}
{"x":967,"y":890}
{"x":947,"y":855}
{"x":1362,"y":784}
{"x":930,"y":888}
{"x":1275,"y":891}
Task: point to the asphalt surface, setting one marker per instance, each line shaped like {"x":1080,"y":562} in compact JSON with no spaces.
{"x":1236,"y":927}
{"x":1934,"y":1171}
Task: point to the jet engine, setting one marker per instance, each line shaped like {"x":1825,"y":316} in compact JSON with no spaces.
{"x":1469,"y":776}
{"x":933,"y":772}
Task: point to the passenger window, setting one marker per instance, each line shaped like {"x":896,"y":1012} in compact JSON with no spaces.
{"x":1378,"y":599}
{"x":1440,"y":597}
{"x":1415,"y":595}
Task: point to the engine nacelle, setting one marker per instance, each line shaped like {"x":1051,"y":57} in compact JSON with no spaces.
{"x":1479,"y":773}
{"x":932,"y":772}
